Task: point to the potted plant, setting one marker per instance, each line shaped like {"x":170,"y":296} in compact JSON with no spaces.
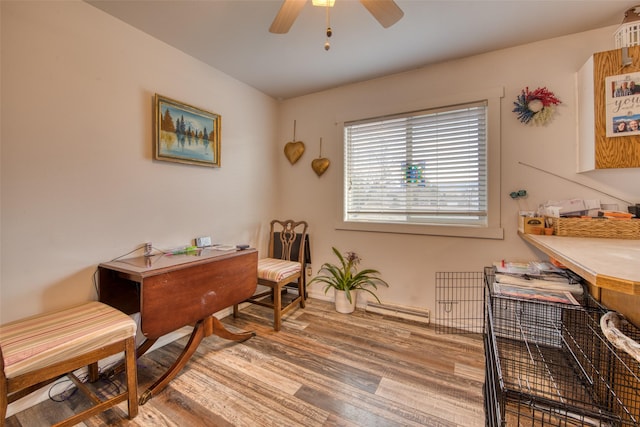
{"x":345,"y":278}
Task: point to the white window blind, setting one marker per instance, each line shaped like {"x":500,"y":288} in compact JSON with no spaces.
{"x":427,"y":167}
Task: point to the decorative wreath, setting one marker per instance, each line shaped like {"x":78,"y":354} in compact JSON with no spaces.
{"x":537,"y":106}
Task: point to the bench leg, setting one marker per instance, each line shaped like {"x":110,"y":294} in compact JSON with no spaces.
{"x":132,"y":376}
{"x":3,"y":392}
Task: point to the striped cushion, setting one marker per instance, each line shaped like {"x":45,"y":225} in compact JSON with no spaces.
{"x":276,"y":269}
{"x":45,"y":339}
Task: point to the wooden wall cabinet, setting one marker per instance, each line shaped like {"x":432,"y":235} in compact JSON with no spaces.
{"x":595,"y":149}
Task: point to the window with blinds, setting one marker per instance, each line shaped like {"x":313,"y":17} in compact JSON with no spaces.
{"x":426,"y":167}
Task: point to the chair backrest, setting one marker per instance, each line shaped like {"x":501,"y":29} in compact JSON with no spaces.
{"x":287,"y":240}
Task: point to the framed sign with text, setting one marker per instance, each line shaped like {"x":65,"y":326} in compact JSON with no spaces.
{"x":622,"y":99}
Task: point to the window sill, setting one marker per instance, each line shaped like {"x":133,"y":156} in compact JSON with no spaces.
{"x":430,"y":230}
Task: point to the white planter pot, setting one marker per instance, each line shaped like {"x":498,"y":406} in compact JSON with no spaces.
{"x":342,"y":303}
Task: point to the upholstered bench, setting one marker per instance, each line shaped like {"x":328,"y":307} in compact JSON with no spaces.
{"x":40,"y":349}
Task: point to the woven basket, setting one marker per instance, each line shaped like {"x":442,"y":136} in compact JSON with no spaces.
{"x":588,"y":227}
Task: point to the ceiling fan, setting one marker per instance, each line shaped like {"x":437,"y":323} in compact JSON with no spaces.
{"x":386,"y":13}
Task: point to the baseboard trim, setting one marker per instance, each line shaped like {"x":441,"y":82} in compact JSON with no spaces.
{"x":409,"y":313}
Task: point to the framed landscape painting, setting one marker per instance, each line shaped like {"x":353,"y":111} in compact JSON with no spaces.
{"x":186,"y":134}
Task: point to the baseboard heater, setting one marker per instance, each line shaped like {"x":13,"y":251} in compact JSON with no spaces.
{"x":408,"y":313}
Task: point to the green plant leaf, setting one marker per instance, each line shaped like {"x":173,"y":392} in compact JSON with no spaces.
{"x":345,"y":277}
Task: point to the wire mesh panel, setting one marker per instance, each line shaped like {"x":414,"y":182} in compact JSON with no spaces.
{"x":550,"y":364}
{"x":460,"y":302}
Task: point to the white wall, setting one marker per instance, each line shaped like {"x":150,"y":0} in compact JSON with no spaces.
{"x":409,"y":262}
{"x":79,"y":185}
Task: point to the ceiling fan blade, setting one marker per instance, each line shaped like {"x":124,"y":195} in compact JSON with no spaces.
{"x":286,"y":16}
{"x":386,"y":12}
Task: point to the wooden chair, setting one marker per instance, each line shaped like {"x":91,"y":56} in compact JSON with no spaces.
{"x":283,"y":265}
{"x":38,"y":350}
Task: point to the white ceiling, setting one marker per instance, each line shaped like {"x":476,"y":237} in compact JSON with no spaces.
{"x":233,"y":36}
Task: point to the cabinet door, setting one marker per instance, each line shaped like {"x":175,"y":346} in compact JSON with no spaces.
{"x":595,"y":149}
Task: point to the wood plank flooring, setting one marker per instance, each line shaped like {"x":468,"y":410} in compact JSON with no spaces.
{"x":322,"y":369}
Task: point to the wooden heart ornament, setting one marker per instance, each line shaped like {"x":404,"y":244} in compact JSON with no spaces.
{"x":294,"y":150}
{"x":320,"y":165}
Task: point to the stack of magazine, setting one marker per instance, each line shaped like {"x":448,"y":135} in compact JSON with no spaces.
{"x":537,"y":280}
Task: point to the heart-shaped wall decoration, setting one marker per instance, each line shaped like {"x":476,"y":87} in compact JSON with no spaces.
{"x":293,"y":151}
{"x":320,"y":165}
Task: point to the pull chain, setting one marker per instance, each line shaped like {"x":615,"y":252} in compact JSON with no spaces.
{"x":327,"y":45}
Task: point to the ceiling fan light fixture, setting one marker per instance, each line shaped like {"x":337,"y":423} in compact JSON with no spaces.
{"x":323,"y":3}
{"x":386,"y":12}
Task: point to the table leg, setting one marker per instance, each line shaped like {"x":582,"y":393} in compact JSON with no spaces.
{"x":203,"y":328}
{"x":218,"y":329}
{"x":119,"y":368}
{"x":196,"y":337}
{"x":145,"y":346}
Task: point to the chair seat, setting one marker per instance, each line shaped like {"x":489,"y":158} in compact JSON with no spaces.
{"x":39,"y":341}
{"x":275,"y":270}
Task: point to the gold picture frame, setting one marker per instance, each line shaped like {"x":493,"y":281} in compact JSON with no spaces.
{"x":186,"y":134}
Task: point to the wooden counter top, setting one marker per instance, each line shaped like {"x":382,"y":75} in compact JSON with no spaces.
{"x":612,"y":264}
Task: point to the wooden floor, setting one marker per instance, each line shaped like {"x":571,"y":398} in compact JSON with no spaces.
{"x":322,"y":369}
